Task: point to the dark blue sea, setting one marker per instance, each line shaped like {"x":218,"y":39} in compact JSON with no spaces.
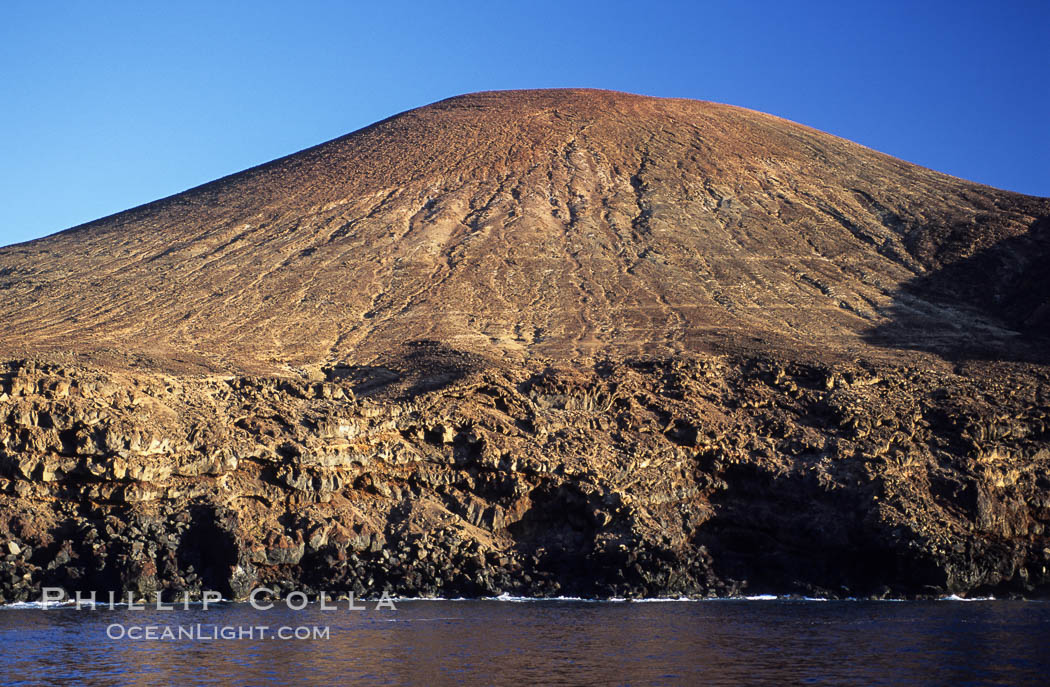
{"x":718,"y":642}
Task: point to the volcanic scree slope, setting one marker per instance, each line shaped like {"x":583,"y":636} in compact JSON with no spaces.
{"x":542,"y":342}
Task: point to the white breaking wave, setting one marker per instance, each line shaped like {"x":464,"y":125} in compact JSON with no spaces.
{"x":39,"y":605}
{"x":15,"y":605}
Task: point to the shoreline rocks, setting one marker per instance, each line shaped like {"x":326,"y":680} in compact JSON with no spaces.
{"x":695,"y":476}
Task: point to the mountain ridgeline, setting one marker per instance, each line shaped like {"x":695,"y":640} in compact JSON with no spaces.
{"x":538,"y":342}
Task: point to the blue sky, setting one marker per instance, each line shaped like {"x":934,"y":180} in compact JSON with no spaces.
{"x":107,"y":105}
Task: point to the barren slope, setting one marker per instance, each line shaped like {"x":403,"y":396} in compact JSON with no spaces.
{"x":523,"y":224}
{"x":544,"y":342}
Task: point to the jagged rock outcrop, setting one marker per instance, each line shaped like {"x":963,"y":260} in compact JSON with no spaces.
{"x":553,"y":342}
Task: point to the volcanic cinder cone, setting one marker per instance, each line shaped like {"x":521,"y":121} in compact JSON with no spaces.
{"x":538,"y":341}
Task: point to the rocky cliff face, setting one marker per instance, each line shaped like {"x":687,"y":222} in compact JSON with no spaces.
{"x":554,"y":342}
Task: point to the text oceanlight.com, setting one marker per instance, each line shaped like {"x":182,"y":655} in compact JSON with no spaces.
{"x":203,"y":632}
{"x":261,"y":599}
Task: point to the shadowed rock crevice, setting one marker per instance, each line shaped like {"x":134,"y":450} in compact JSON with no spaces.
{"x":992,"y":305}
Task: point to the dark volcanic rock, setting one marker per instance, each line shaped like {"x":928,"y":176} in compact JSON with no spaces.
{"x":542,"y":342}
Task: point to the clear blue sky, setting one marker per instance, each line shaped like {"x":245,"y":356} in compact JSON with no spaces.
{"x":107,"y":105}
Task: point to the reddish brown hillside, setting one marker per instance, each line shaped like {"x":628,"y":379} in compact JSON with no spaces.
{"x":541,"y":342}
{"x":532,"y":224}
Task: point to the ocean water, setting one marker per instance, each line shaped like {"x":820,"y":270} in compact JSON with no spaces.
{"x":719,"y":642}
